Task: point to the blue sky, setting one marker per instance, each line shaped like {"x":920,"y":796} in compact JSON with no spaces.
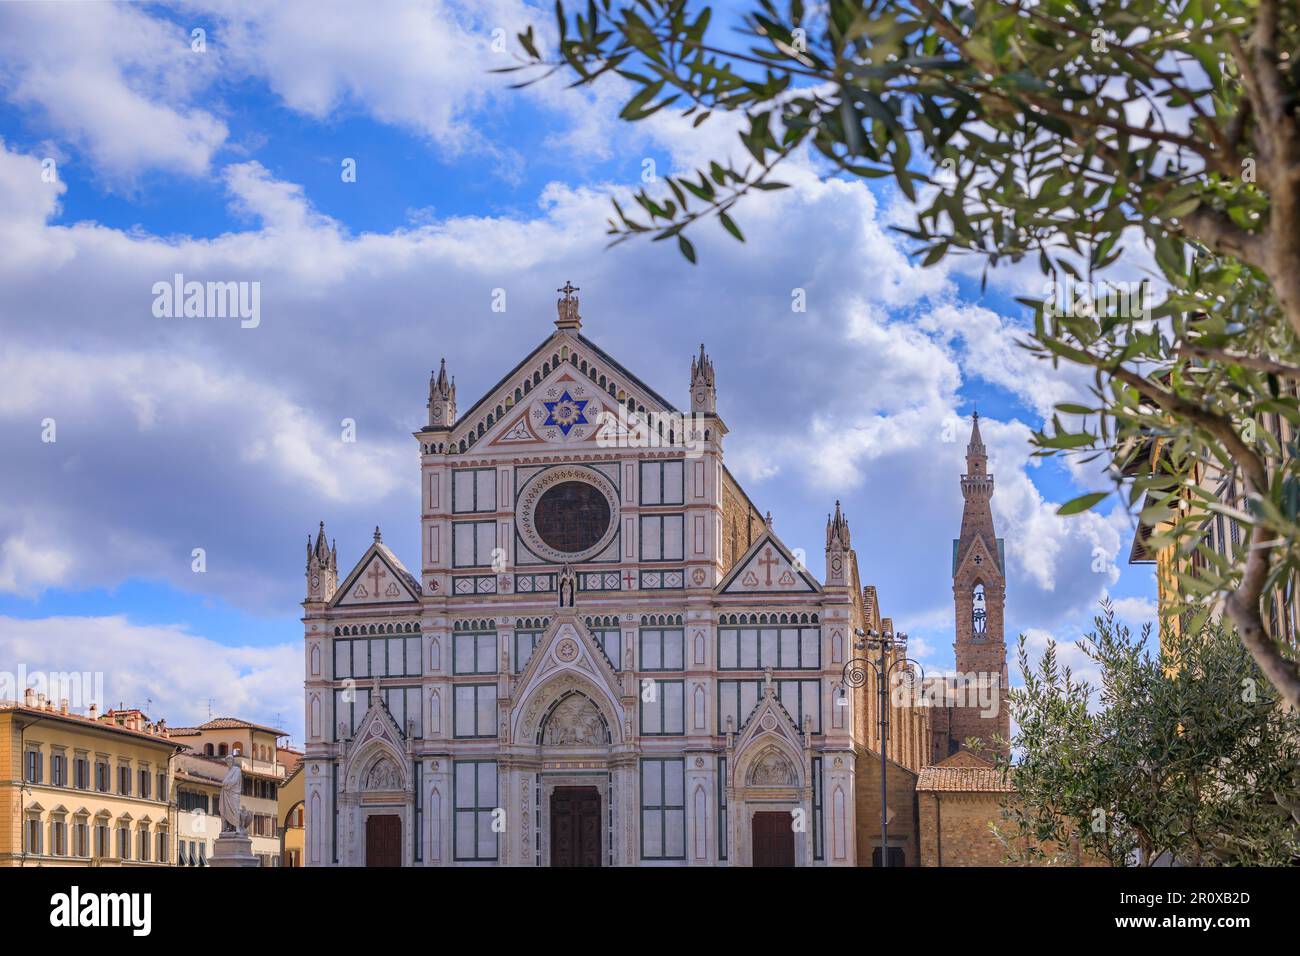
{"x":224,"y":163}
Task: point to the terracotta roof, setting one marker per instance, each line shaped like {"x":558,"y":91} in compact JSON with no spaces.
{"x":225,"y":723}
{"x":103,"y":723}
{"x":963,"y":780}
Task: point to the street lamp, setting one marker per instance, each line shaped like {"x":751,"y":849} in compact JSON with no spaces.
{"x":855,"y":675}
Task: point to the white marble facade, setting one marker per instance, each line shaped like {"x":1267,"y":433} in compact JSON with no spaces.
{"x":578,"y":674}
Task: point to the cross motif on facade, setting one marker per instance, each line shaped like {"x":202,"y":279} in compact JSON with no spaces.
{"x":628,"y":579}
{"x":375,"y":573}
{"x":979,"y":559}
{"x":768,"y":562}
{"x":568,"y":289}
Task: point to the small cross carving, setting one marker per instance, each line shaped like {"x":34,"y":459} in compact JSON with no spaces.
{"x":568,"y":289}
{"x":979,"y":559}
{"x":768,"y":562}
{"x":376,"y":572}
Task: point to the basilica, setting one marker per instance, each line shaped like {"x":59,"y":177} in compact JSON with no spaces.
{"x":607,"y":656}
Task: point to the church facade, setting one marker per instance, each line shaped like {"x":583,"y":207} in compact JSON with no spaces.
{"x":607,"y":656}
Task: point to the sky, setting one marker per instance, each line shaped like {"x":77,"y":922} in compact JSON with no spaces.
{"x":133,"y":149}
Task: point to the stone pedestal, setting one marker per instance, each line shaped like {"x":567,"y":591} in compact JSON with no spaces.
{"x":233,"y":849}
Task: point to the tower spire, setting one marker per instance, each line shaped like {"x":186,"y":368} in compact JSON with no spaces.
{"x":442,"y":398}
{"x":704,"y":393}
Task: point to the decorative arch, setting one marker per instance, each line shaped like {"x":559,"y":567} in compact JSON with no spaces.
{"x":367,"y":757}
{"x":529,"y":714}
{"x":767,"y":754}
{"x":573,"y":720}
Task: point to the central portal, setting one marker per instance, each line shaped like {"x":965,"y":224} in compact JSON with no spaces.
{"x":773,"y":838}
{"x":575,"y":826}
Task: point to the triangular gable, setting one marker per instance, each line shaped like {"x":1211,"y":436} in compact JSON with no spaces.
{"x":768,"y":567}
{"x":978,"y":557}
{"x":378,"y":723}
{"x":565,"y":409}
{"x":964,"y":758}
{"x":598,"y":373}
{"x":567,"y":646}
{"x":379,"y":578}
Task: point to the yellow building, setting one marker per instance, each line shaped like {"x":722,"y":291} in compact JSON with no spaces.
{"x":83,"y":790}
{"x":197,"y":785}
{"x":256,"y":747}
{"x":293,"y":832}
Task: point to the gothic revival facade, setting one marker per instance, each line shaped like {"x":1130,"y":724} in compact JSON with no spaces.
{"x":608,"y":656}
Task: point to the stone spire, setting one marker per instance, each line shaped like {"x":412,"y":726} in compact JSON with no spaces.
{"x":322,"y":568}
{"x":704,"y":394}
{"x":837,"y":548}
{"x":442,"y":398}
{"x":566,"y":308}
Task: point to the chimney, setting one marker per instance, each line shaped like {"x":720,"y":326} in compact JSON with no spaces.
{"x":29,"y":697}
{"x":40,"y":702}
{"x":94,"y":712}
{"x":63,"y":705}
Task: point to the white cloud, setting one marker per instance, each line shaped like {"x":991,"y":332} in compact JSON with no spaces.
{"x":113,"y":80}
{"x":164,"y":669}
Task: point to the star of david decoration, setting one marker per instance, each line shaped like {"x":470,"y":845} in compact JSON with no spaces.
{"x":566,"y":412}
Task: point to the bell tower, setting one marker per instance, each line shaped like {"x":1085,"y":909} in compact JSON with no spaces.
{"x":979,"y":592}
{"x":704,"y":393}
{"x":442,"y":398}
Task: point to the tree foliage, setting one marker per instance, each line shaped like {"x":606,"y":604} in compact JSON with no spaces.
{"x":1189,"y":757}
{"x":1067,"y":132}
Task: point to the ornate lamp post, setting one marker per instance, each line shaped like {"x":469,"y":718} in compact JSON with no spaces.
{"x":855,"y":675}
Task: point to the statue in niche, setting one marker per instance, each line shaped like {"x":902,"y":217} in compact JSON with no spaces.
{"x":568,"y":586}
{"x":575,"y":723}
{"x":772,"y":770}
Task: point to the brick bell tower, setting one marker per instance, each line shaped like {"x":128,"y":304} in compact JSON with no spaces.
{"x":979,"y":593}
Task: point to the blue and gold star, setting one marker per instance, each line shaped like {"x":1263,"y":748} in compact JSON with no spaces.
{"x":565,"y":412}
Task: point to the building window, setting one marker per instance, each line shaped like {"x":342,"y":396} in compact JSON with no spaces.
{"x":661,"y":537}
{"x":33,"y":766}
{"x":661,"y":483}
{"x":473,"y":543}
{"x":124,"y":781}
{"x":722,"y":808}
{"x":58,"y":770}
{"x":143,"y":841}
{"x":474,"y":653}
{"x":162,"y":786}
{"x":663,"y":808}
{"x":123,"y":843}
{"x":525,"y":644}
{"x":33,"y":841}
{"x":473,"y":489}
{"x":81,"y":839}
{"x":476,"y":803}
{"x":101,"y":776}
{"x":145,"y":779}
{"x":610,"y":640}
{"x":58,"y":838}
{"x":162,"y":847}
{"x":101,"y":840}
{"x":404,"y":704}
{"x":663,"y":714}
{"x":818,"y":816}
{"x":81,"y":773}
{"x":376,"y":657}
{"x":475,"y":712}
{"x":781,"y":648}
{"x":662,"y":649}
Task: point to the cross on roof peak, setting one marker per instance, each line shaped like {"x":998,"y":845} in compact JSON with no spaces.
{"x":568,"y":289}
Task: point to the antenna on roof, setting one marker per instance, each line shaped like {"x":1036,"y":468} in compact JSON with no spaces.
{"x":210,"y":702}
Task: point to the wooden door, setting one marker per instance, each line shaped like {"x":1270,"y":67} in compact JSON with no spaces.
{"x":773,"y":839}
{"x":575,"y":827}
{"x":384,"y":840}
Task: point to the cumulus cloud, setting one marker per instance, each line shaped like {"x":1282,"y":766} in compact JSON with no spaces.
{"x":113,"y":80}
{"x":163,"y":669}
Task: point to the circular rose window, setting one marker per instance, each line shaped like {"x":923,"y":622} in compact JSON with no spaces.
{"x":571,"y":516}
{"x":568,"y":514}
